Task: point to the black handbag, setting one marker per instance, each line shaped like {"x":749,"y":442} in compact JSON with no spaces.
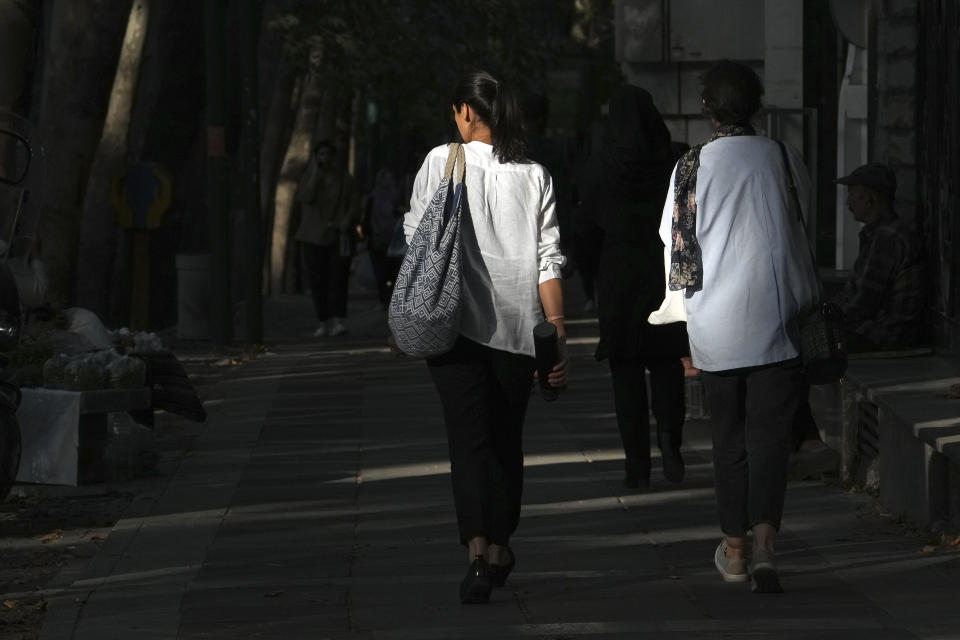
{"x":823,"y":348}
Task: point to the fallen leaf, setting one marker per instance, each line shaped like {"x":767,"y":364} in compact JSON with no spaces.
{"x":927,"y":548}
{"x":10,"y":604}
{"x":56,"y":534}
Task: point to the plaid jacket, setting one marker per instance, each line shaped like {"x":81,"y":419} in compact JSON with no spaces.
{"x":883,"y":299}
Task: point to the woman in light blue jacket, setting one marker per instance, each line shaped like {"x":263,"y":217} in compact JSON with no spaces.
{"x":739,"y":258}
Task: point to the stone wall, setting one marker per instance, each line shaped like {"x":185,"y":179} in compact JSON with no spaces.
{"x":894,"y":137}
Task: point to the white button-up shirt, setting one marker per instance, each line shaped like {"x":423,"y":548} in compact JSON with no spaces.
{"x":511,"y":243}
{"x":757,"y":268}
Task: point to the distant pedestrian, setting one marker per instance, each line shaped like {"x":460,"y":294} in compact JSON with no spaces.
{"x":740,"y":264}
{"x":329,"y":224}
{"x":381,"y":213}
{"x":625,"y":199}
{"x":548,"y":150}
{"x":511,"y":265}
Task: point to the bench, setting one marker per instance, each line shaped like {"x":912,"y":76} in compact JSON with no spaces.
{"x":897,"y":427}
{"x":63,"y":432}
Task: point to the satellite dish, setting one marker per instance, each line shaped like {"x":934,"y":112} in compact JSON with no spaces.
{"x":851,"y":18}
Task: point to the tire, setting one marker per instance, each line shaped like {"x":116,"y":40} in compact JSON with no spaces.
{"x":9,"y":450}
{"x":9,"y":437}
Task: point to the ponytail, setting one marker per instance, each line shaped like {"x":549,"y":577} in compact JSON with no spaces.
{"x":496,"y":105}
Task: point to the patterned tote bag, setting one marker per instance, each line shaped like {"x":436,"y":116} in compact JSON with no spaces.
{"x":424,"y":310}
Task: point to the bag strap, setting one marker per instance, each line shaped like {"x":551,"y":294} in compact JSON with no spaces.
{"x":455,"y":157}
{"x":795,"y":196}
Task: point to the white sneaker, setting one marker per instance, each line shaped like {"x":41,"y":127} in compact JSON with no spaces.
{"x":337,"y":328}
{"x":321,"y":331}
{"x":730,"y":569}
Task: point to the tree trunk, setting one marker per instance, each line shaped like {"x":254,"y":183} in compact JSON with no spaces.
{"x":294,"y":161}
{"x":18,"y":29}
{"x":143,"y":116}
{"x":98,"y":234}
{"x":82,"y":41}
{"x":275,"y":131}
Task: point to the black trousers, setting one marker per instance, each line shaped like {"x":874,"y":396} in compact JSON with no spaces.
{"x":633,"y":408}
{"x":385,"y":270}
{"x":752,"y":411}
{"x":484,"y":393}
{"x":328,"y":274}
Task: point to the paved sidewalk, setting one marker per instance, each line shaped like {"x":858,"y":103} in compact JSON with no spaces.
{"x":317,"y":505}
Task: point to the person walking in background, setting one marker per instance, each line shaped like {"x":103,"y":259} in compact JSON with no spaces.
{"x":511,"y":264}
{"x":380,"y":219}
{"x":740,"y":264}
{"x":329,"y":224}
{"x":549,"y":152}
{"x":625,"y":200}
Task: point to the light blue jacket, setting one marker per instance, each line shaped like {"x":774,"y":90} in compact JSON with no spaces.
{"x":757,"y":268}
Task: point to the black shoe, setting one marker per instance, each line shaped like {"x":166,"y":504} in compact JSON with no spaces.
{"x":499,"y":572}
{"x":633,"y":482}
{"x":477,"y":585}
{"x":763,"y":573}
{"x":673,"y":468}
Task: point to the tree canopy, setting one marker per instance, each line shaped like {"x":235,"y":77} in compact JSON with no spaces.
{"x":408,"y":54}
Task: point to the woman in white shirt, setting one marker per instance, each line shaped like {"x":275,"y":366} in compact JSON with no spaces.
{"x":511,"y":280}
{"x":739,"y":257}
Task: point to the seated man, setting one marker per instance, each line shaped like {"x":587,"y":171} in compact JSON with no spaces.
{"x":882,"y":302}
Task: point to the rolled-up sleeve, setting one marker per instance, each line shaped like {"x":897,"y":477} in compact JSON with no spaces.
{"x":551,"y":260}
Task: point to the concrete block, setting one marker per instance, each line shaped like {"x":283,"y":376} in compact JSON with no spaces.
{"x":900,"y":73}
{"x":694,"y":25}
{"x":850,"y":396}
{"x":906,"y":179}
{"x":896,"y":38}
{"x":899,"y":9}
{"x":897,"y":148}
{"x":785,"y":95}
{"x":898,"y":114}
{"x":690,"y":86}
{"x":783,"y":23}
{"x":639,"y":30}
{"x":911,"y":475}
{"x":677,"y":127}
{"x":193,"y":296}
{"x":783,"y":65}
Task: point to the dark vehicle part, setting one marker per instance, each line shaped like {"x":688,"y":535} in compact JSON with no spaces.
{"x":9,"y":437}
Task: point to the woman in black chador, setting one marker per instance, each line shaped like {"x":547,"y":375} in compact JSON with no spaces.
{"x":629,"y":180}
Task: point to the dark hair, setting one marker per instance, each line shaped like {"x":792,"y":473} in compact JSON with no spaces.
{"x":324,"y":144}
{"x":496,"y":106}
{"x":731,"y":92}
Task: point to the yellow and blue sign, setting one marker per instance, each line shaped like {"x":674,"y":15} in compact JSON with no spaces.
{"x":141,"y":196}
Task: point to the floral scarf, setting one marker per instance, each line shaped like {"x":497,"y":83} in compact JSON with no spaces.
{"x":686,"y":264}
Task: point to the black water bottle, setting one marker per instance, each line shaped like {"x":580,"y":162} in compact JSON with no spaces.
{"x":547,"y":347}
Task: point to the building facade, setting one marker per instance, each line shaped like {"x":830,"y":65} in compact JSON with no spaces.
{"x":847,"y":82}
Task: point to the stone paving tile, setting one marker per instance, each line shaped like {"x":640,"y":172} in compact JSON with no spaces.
{"x":332,"y":517}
